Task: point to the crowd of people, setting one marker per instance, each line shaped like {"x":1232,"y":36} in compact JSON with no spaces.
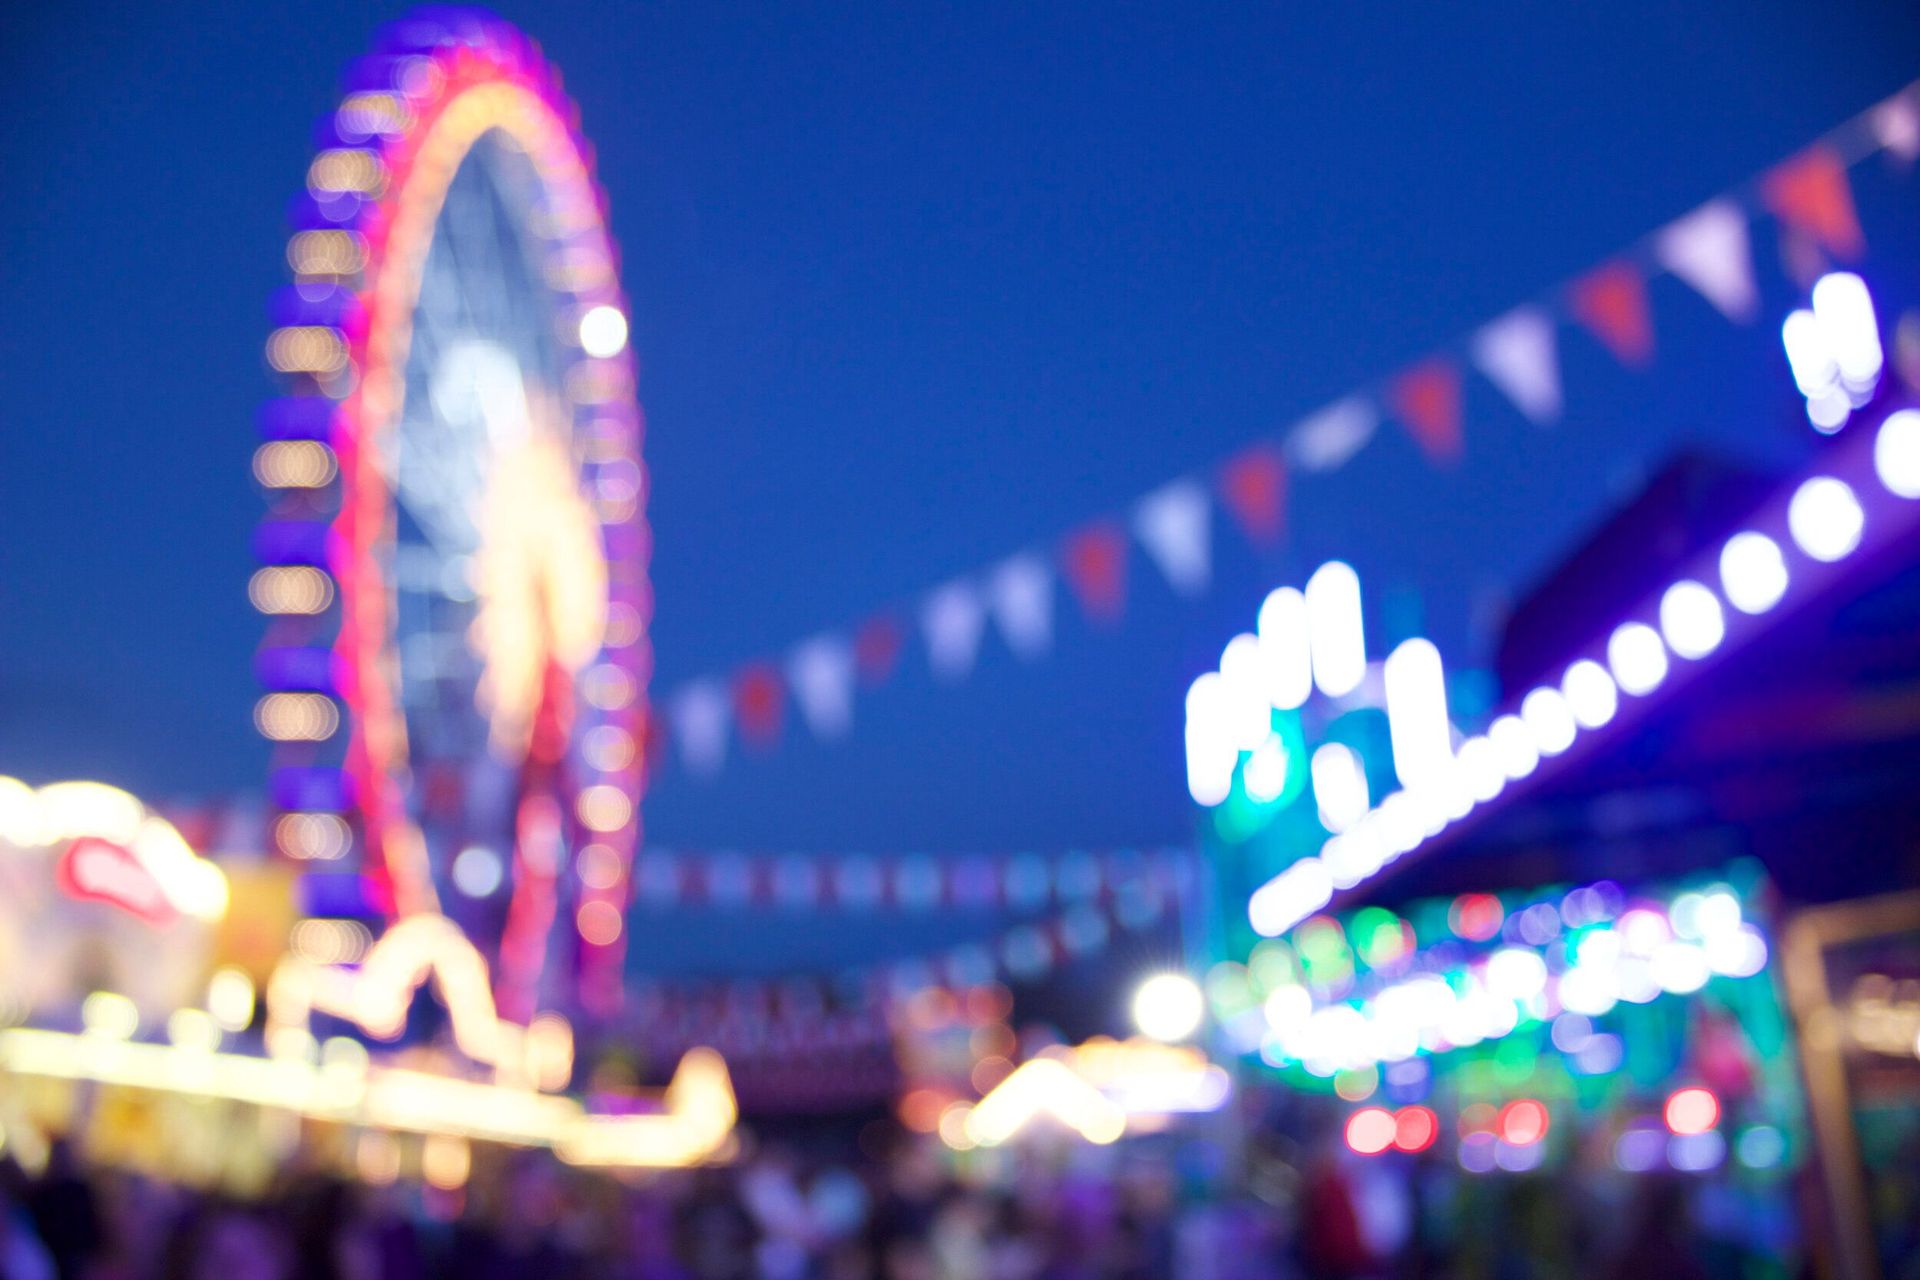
{"x":906,"y":1215}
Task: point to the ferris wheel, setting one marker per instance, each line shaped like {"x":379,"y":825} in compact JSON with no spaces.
{"x":454,"y":564}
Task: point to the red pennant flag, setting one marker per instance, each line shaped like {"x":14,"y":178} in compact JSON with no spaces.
{"x":1253,"y":485}
{"x":876,"y":647}
{"x":758,"y":700}
{"x":1611,"y":300}
{"x":1094,"y":562}
{"x":1426,"y":398}
{"x":1810,"y":193}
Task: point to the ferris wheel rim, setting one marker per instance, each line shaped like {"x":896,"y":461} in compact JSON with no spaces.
{"x":412,"y":117}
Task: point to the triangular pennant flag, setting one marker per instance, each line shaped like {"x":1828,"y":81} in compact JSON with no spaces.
{"x":1517,"y":354}
{"x":1426,"y":398}
{"x":1021,"y":594}
{"x":1708,"y":249}
{"x":1174,"y":524}
{"x":1896,"y":125}
{"x":1253,"y":486}
{"x":1094,"y":559}
{"x":1325,"y":440}
{"x":876,"y":648}
{"x":700,"y":722}
{"x":953,"y":617}
{"x":821,"y":673}
{"x":1611,"y":301}
{"x":1810,"y":193}
{"x":759,"y":698}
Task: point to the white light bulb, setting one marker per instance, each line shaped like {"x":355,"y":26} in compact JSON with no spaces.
{"x":1637,"y":657}
{"x":1339,"y":786}
{"x":1590,"y":693}
{"x":1514,"y":741}
{"x":603,"y":331}
{"x":1336,"y":633}
{"x":1844,"y":309}
{"x":1896,"y":453}
{"x":1753,"y":572}
{"x":1286,"y":660}
{"x":1825,"y":518}
{"x":1169,"y":1006}
{"x":1547,"y":715}
{"x":1691,"y":620}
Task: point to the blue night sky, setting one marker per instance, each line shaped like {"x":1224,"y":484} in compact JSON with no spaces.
{"x":914,"y":287}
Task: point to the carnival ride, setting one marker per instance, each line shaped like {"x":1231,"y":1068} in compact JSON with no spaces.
{"x":454,"y":566}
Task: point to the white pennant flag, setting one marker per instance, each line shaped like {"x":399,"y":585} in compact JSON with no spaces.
{"x":1174,"y":524}
{"x":1021,"y":594}
{"x":954,"y":617}
{"x":700,"y":719}
{"x":1896,"y":125}
{"x":821,"y":673}
{"x":1517,"y":354}
{"x":1708,"y":249}
{"x":1324,"y":441}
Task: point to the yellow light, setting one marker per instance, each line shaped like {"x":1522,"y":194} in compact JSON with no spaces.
{"x":362,"y":115}
{"x":694,"y":1124}
{"x":331,"y":941}
{"x":604,"y":807}
{"x":230,"y":999}
{"x":549,"y":1051}
{"x":326,"y":253}
{"x":608,"y":687}
{"x":296,"y":589}
{"x":599,"y":923}
{"x":294,"y":464}
{"x":599,"y":867}
{"x":307,"y":348}
{"x":109,"y":1014}
{"x":608,"y":748}
{"x":1045,"y":1087}
{"x":193,"y":1029}
{"x":343,"y":169}
{"x":376,"y":1156}
{"x":314,"y":837}
{"x":296,"y":717}
{"x":445,"y":1161}
{"x":62,"y":811}
{"x":953,"y":1127}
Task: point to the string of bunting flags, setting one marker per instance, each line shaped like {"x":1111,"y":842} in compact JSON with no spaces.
{"x":908,"y":883}
{"x":759,"y":1016}
{"x":1809,"y":195}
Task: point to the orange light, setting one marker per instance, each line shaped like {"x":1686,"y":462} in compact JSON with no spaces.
{"x":1371,"y":1130}
{"x":920,"y":1110}
{"x":599,"y":923}
{"x":1415,"y":1128}
{"x":1692,"y":1110}
{"x":1523,"y":1122}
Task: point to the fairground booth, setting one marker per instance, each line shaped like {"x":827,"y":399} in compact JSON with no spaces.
{"x":1610,"y":943}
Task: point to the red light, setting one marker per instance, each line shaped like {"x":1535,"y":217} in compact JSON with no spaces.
{"x":1476,"y":916}
{"x":1691,"y":1111}
{"x":1415,"y":1128}
{"x":1523,"y":1122}
{"x":1371,"y":1131}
